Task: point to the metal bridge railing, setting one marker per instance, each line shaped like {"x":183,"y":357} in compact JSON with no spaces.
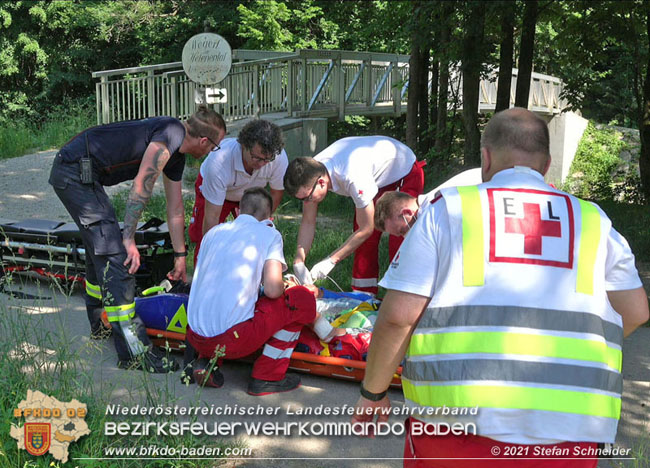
{"x":308,"y":82}
{"x":327,"y":83}
{"x":544,"y":96}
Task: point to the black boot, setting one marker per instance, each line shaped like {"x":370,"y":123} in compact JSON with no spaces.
{"x":258,"y":387}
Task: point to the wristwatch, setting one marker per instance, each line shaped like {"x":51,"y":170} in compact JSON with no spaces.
{"x":368,"y":395}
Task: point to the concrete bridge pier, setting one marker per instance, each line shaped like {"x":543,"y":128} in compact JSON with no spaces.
{"x":304,"y":137}
{"x":566,"y":130}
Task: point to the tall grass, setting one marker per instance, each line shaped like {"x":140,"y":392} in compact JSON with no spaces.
{"x":27,"y":135}
{"x":39,"y":353}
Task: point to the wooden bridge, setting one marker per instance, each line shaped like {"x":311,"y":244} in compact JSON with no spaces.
{"x":307,"y":83}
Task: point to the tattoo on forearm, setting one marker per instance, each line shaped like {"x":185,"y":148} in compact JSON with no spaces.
{"x":134,"y":208}
{"x":152,"y":173}
{"x":137,"y":201}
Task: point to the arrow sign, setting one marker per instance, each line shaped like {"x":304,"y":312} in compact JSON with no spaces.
{"x":216,"y":95}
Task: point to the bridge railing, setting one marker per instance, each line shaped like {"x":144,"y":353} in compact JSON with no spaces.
{"x":308,"y":82}
{"x":327,"y":83}
{"x":544,"y":96}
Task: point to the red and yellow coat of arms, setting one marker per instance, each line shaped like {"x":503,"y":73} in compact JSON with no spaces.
{"x":37,"y":438}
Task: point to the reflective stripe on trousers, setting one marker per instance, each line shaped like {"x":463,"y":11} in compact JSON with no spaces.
{"x":93,"y":290}
{"x":120,"y":318}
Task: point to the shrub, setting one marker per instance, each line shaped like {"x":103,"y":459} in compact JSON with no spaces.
{"x":24,"y":135}
{"x":598,"y":172}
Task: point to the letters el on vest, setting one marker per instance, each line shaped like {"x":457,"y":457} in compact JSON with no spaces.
{"x":521,"y":326}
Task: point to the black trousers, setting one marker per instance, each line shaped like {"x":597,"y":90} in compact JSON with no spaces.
{"x":91,"y":210}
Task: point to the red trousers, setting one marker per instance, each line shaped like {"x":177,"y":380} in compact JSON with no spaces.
{"x":463,"y":451}
{"x":276,"y":325}
{"x":365,"y":269}
{"x":195,"y":230}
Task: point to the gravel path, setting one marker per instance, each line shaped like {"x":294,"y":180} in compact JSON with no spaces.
{"x":25,"y":192}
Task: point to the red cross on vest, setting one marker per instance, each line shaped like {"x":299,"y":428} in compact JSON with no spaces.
{"x":533,"y":228}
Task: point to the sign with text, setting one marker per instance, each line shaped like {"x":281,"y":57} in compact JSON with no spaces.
{"x":207,"y":58}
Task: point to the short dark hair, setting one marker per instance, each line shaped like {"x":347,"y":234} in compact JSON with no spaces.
{"x":256,"y":202}
{"x":264,"y":133}
{"x":205,"y":122}
{"x":302,"y":172}
{"x":517,"y":129}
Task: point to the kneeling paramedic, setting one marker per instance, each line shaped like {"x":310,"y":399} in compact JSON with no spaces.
{"x":238,"y":303}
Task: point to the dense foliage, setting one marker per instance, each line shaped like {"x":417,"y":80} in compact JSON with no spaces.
{"x":599,"y":48}
{"x":49,"y":48}
{"x":603,"y":167}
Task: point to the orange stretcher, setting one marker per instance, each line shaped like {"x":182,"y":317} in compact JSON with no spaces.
{"x":326,"y":366}
{"x":168,"y":311}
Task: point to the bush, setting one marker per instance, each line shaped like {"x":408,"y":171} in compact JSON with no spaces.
{"x":599,"y":173}
{"x":25,"y":135}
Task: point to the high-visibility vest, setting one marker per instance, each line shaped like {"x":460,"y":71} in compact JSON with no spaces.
{"x":521,"y":327}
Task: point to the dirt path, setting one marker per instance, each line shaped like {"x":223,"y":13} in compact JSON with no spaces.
{"x":27,"y":194}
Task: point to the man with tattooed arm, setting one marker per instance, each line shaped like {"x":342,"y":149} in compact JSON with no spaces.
{"x":105,"y":155}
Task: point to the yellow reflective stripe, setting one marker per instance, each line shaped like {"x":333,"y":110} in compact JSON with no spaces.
{"x":473,"y":256}
{"x":515,"y":343}
{"x":589,"y":240}
{"x":526,"y":398}
{"x":93,"y":290}
{"x":120,"y":313}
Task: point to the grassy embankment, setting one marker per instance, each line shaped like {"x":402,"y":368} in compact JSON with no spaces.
{"x":29,"y":135}
{"x":39,"y":353}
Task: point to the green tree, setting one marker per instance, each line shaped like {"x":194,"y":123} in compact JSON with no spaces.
{"x":526,"y":51}
{"x":506,"y":49}
{"x":48,"y":49}
{"x":416,"y":66}
{"x":371,"y":25}
{"x":286,"y":26}
{"x":598,"y":49}
{"x":644,"y":121}
{"x":444,"y":53}
{"x":472,"y":65}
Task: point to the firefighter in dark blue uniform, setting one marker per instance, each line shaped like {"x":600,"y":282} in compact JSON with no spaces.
{"x":105,"y":155}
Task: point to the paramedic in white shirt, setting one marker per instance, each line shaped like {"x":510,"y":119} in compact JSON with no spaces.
{"x":255,"y":158}
{"x":361,"y":168}
{"x":238,"y":301}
